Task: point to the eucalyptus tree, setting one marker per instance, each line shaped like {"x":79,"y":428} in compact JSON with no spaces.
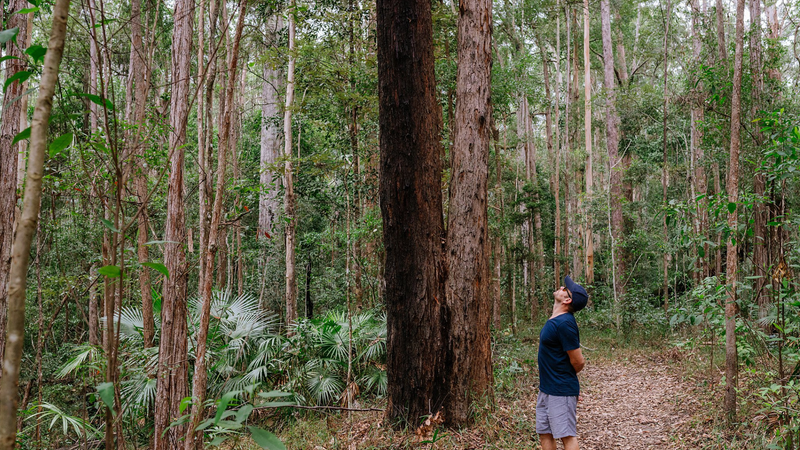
{"x":411,"y":207}
{"x":467,"y":286}
{"x":732,"y":186}
{"x":173,"y":352}
{"x":9,"y":384}
{"x":16,"y":74}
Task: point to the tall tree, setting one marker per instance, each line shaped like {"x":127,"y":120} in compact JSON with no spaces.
{"x":697,"y":156}
{"x":9,"y":127}
{"x":467,"y":288}
{"x":732,"y":186}
{"x":664,"y":174}
{"x":199,"y":382}
{"x":411,"y":207}
{"x":288,"y":178}
{"x":172,"y":384}
{"x":17,"y":280}
{"x":587,"y":124}
{"x":270,"y":141}
{"x":612,"y":145}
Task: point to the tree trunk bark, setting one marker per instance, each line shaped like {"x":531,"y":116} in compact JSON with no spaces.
{"x":732,"y":186}
{"x":289,"y":196}
{"x":722,"y":49}
{"x":697,"y":152}
{"x":664,"y":173}
{"x":411,"y":207}
{"x":615,"y":162}
{"x":173,"y":352}
{"x":17,"y":280}
{"x":587,"y":125}
{"x":467,"y":287}
{"x":270,"y":140}
{"x":200,"y":379}
{"x":9,"y":128}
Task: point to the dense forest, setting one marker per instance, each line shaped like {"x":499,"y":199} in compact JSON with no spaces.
{"x":241,"y":224}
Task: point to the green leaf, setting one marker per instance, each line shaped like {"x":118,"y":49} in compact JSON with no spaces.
{"x":110,"y":271}
{"x":8,"y":35}
{"x":59,"y":144}
{"x":273,"y":394}
{"x":20,"y":76}
{"x":157,"y":267}
{"x":223,"y":404}
{"x":108,"y":224}
{"x":104,"y":102}
{"x":244,"y":413}
{"x":265,"y":439}
{"x":731,"y":207}
{"x":36,"y":52}
{"x":217,"y":441}
{"x":8,"y":57}
{"x":106,"y":391}
{"x":28,"y":10}
{"x":22,"y":135}
{"x":184,"y":403}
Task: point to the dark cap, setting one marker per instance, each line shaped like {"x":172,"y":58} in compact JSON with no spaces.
{"x":579,"y":295}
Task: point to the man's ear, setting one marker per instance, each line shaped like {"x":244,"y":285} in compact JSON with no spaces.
{"x":567,"y":301}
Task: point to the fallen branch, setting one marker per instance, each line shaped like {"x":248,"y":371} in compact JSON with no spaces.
{"x":323,"y":408}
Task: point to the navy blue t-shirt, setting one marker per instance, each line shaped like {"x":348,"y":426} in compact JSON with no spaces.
{"x":556,"y":374}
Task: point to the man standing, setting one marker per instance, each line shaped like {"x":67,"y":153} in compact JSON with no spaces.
{"x":560,"y":360}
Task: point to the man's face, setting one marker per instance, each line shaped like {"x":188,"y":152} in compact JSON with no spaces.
{"x":562,"y":294}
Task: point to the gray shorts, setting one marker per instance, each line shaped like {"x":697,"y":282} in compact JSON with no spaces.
{"x":556,"y":415}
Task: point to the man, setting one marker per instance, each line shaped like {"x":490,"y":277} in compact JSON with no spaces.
{"x":560,"y":360}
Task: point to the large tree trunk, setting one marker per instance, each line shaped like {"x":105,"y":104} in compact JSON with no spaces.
{"x":732,"y":186}
{"x":17,"y":280}
{"x":559,"y":244}
{"x":468,"y":250}
{"x":200,"y":379}
{"x":8,"y":156}
{"x":411,"y":207}
{"x":172,"y":357}
{"x":615,"y":162}
{"x":270,"y":140}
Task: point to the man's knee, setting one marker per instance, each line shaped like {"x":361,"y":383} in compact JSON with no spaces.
{"x":570,"y":442}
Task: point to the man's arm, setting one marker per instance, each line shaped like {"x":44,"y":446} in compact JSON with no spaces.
{"x":576,"y":359}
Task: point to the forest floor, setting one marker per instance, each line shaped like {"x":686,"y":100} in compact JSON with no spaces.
{"x":632,"y":399}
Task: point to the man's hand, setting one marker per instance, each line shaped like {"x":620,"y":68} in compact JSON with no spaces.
{"x":576,"y":359}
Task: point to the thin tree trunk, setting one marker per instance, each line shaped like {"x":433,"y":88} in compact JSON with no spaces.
{"x":697,"y":153}
{"x":623,"y":62}
{"x":201,"y":371}
{"x":205,"y":166}
{"x":615,"y":162}
{"x":664,"y":173}
{"x":411,"y":207}
{"x":173,"y":352}
{"x":587,"y":124}
{"x":722,"y":49}
{"x":288,"y":184}
{"x":718,"y":192}
{"x":732,"y":186}
{"x":17,"y":280}
{"x":468,"y":251}
{"x":557,"y":257}
{"x":9,"y":128}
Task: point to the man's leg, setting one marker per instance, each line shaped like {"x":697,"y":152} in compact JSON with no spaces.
{"x":547,"y":441}
{"x":570,"y":443}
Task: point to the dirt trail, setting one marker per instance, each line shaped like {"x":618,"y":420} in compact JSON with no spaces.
{"x":637,"y":405}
